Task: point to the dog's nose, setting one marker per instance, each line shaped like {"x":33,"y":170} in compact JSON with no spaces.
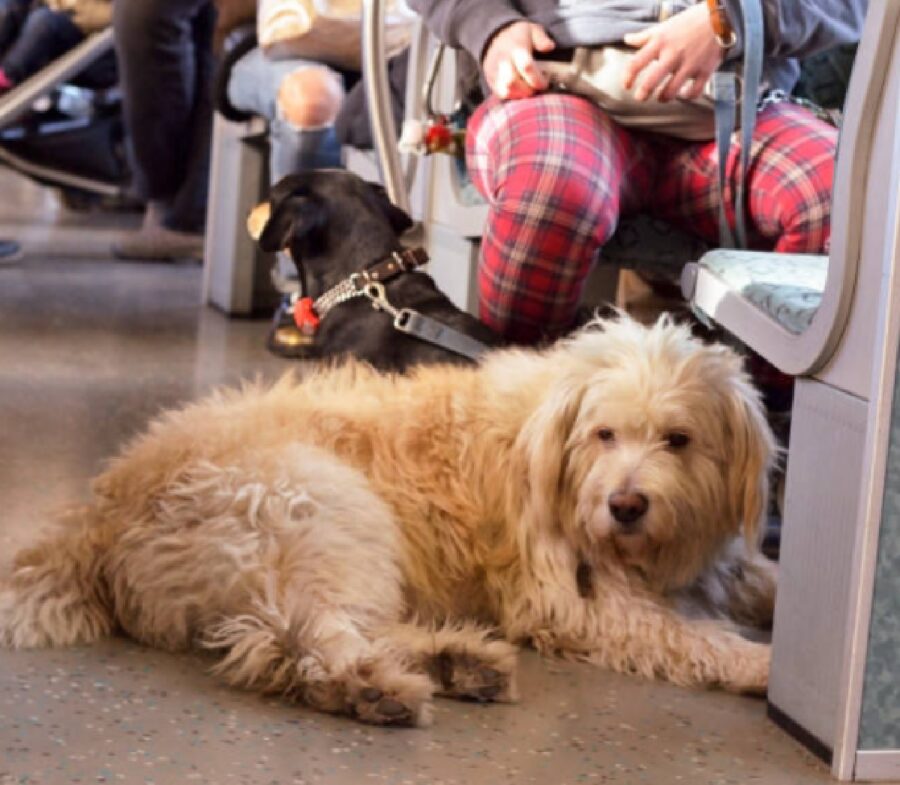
{"x":628,"y":507}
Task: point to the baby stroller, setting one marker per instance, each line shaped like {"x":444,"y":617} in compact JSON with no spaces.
{"x":63,"y":127}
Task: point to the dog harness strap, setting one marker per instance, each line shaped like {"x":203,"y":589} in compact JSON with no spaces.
{"x":432,"y":331}
{"x":413,"y":323}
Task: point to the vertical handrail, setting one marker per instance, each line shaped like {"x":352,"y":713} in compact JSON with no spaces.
{"x":378,"y":95}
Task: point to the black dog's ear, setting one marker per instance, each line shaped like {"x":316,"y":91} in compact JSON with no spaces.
{"x":293,"y":220}
{"x":396,"y":217}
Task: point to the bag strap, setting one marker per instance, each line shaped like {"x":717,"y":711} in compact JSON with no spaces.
{"x":724,"y":93}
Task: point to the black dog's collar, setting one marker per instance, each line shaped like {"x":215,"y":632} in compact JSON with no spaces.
{"x":398,"y":262}
{"x":369,"y":283}
{"x":384,"y":270}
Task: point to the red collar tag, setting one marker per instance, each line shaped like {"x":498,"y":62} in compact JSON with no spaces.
{"x":305,"y":316}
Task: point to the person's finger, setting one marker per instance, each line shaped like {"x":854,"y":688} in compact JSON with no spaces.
{"x":504,"y":76}
{"x":651,"y":78}
{"x":642,"y":58}
{"x":540,"y":40}
{"x":528,"y":69}
{"x":639,"y":38}
{"x":509,"y":83}
{"x":694,"y":88}
{"x":674,"y":86}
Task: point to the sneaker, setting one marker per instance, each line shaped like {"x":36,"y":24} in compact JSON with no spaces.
{"x":159,"y":245}
{"x":10,"y":251}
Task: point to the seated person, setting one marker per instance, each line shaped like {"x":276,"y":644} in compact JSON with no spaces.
{"x":33,"y":34}
{"x":558,"y":171}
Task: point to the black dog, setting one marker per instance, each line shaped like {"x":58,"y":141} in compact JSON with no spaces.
{"x":335,"y":225}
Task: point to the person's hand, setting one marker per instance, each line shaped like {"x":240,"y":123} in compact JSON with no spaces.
{"x":509,"y":66}
{"x":682,"y":49}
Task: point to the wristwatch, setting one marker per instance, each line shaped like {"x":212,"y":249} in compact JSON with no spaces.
{"x":722,"y":28}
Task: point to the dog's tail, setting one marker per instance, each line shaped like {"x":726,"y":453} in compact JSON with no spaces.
{"x":55,"y":593}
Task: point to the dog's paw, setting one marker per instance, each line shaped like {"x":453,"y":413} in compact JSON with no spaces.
{"x":487,"y":673}
{"x":401,"y":700}
{"x":748,"y":671}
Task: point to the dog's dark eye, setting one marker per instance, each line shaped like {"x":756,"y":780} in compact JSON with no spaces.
{"x":677,"y":440}
{"x":606,"y":435}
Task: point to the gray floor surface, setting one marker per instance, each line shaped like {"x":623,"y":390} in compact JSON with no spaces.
{"x":90,"y":348}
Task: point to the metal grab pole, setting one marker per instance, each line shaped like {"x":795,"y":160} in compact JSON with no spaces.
{"x":19,"y":100}
{"x":378,"y":94}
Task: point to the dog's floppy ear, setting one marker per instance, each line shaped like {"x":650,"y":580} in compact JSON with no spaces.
{"x":396,"y":217}
{"x":753,"y":452}
{"x":541,"y":451}
{"x":292,"y":220}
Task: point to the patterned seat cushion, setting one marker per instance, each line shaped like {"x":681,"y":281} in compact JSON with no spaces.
{"x":788,"y":287}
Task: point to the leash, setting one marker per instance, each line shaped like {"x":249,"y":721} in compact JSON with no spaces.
{"x":724,"y":94}
{"x":369,"y":283}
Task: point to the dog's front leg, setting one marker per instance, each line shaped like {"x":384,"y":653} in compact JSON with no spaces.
{"x":637,"y":634}
{"x":740,"y":585}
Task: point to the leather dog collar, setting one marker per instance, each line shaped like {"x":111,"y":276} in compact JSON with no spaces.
{"x":398,"y":262}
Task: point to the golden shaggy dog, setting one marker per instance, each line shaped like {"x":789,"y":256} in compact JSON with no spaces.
{"x":356,"y":541}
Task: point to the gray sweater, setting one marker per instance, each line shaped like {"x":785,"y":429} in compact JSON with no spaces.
{"x":793,"y":28}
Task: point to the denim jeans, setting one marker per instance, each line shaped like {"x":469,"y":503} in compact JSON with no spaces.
{"x":253,"y":87}
{"x":166,"y":64}
{"x":12,"y":15}
{"x":43,"y":36}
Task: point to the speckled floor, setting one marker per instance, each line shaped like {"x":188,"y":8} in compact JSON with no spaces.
{"x":89,"y":349}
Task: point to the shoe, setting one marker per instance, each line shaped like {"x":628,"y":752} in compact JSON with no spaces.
{"x":159,"y":245}
{"x":285,"y":339}
{"x":10,"y":252}
{"x":154,"y":241}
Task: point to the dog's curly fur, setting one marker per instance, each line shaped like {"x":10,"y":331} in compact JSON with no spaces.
{"x":355,"y":540}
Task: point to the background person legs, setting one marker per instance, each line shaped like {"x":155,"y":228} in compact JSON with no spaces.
{"x":788,"y":194}
{"x":12,"y":16}
{"x":300,"y":100}
{"x":166,"y":63}
{"x":556,"y":172}
{"x":43,"y":36}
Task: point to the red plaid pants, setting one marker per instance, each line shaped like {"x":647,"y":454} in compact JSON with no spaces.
{"x":557,"y":173}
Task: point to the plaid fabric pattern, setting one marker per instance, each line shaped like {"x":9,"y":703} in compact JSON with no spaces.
{"x":557,"y":174}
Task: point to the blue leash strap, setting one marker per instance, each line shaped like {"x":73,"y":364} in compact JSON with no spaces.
{"x":724,"y":93}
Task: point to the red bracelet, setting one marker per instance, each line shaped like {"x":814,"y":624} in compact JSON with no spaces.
{"x":721,"y":26}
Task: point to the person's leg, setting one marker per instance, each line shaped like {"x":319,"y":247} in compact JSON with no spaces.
{"x":44,"y":36}
{"x":12,"y":16}
{"x":300,"y":100}
{"x":788,"y":190}
{"x":187,"y":210}
{"x":556,"y":172}
{"x":165,"y":61}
